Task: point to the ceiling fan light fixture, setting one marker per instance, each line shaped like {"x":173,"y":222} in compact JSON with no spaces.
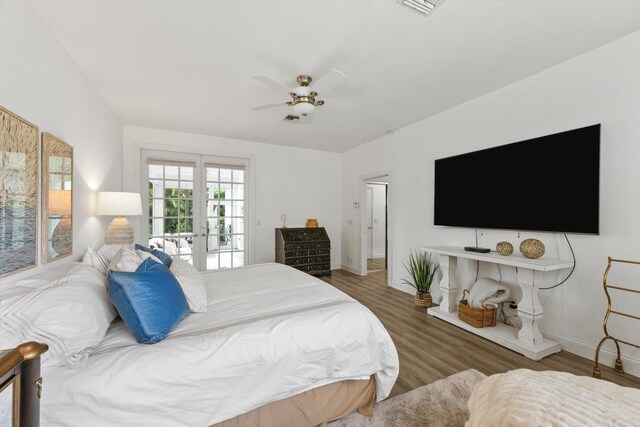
{"x":423,"y":6}
{"x":304,"y":108}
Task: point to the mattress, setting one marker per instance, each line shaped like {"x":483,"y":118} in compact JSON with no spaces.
{"x":270,"y":332}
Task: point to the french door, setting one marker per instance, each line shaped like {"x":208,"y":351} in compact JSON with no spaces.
{"x":196,"y":208}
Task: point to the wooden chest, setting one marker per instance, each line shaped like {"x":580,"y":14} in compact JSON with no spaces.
{"x":307,"y":249}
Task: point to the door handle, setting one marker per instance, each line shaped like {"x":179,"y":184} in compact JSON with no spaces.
{"x":204,"y":234}
{"x":369,"y":228}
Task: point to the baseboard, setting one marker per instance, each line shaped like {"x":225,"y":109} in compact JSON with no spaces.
{"x":404,"y":288}
{"x":607,"y":358}
{"x":377,"y":255}
{"x":350,"y":269}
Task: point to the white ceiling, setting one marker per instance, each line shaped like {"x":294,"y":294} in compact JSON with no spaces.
{"x":188,"y":65}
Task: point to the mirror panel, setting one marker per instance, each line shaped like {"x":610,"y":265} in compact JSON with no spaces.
{"x":57,"y":198}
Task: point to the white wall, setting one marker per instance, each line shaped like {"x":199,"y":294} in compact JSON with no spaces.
{"x":40,"y":82}
{"x":601,"y":86}
{"x":378,"y":219}
{"x":299,"y":182}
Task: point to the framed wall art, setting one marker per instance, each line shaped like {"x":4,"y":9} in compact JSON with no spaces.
{"x":57,"y":198}
{"x":18,"y":193}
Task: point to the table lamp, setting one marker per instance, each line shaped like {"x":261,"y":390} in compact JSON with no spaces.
{"x":119,"y":204}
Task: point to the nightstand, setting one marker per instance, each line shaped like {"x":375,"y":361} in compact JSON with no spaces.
{"x":21,"y":385}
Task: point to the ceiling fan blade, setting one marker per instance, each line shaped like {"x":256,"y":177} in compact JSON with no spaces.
{"x":267,"y":106}
{"x":272,"y":83}
{"x":329,"y":81}
{"x":340,"y":104}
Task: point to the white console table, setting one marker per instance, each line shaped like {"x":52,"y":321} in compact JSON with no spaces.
{"x":528,"y":341}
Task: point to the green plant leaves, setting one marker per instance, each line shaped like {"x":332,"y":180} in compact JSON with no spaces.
{"x":423,"y":268}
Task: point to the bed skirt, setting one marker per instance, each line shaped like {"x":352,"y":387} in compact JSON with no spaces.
{"x":314,"y":407}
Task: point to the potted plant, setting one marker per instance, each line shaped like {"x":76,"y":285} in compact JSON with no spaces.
{"x":423,"y":268}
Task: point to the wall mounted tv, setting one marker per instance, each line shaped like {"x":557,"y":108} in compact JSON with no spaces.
{"x":550,"y":183}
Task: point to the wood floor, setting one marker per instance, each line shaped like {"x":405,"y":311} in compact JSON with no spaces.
{"x":375,"y":264}
{"x":431,"y":349}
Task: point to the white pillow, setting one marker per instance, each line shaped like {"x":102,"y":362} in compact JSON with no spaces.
{"x":101,"y":258}
{"x":144,"y":255}
{"x":125,"y":260}
{"x":71,"y":315}
{"x":191,"y":283}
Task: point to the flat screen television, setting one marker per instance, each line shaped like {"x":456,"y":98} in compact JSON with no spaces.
{"x":550,"y":183}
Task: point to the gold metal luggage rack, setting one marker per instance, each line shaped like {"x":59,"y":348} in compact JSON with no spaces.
{"x":617,"y":341}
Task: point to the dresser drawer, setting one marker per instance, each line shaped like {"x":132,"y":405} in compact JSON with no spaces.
{"x":297,"y":253}
{"x":326,"y":251}
{"x":296,"y":247}
{"x":319,"y":245}
{"x":319,"y":259}
{"x":297,"y":261}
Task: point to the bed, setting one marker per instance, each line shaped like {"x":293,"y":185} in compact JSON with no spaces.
{"x":274,"y":343}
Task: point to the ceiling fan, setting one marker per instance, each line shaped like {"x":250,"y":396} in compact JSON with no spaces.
{"x":305,"y":96}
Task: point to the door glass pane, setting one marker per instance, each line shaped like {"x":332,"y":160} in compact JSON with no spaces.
{"x":238,"y":175}
{"x":156,"y":171}
{"x":238,"y":192}
{"x":238,"y":209}
{"x":213,"y":190}
{"x":225,"y":192}
{"x":171,"y":172}
{"x":238,"y":259}
{"x":225,"y":175}
{"x":186,"y":173}
{"x":225,"y":259}
{"x":212,"y":174}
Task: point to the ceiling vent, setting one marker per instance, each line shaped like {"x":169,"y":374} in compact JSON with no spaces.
{"x":423,"y":6}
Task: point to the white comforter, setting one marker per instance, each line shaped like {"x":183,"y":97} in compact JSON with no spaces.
{"x":270,"y":332}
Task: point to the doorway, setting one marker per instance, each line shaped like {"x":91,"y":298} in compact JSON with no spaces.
{"x":377,"y":224}
{"x":195,"y":208}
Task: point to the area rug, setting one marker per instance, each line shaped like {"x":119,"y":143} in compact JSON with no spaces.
{"x":439,"y":404}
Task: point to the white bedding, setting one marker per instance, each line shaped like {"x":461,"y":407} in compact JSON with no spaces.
{"x":270,"y":332}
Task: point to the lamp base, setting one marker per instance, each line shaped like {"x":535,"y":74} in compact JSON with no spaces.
{"x":119,"y":232}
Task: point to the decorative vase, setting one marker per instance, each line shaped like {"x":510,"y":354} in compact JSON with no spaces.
{"x":532,"y":248}
{"x":423,"y":299}
{"x":504,"y":248}
{"x":312,"y":223}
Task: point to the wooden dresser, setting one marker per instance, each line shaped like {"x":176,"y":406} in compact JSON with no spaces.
{"x":21,"y":385}
{"x":307,"y":249}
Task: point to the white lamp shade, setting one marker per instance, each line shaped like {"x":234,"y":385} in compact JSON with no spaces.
{"x":119,"y":203}
{"x":304,"y":108}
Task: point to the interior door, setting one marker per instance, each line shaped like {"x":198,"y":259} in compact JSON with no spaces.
{"x":369,"y":208}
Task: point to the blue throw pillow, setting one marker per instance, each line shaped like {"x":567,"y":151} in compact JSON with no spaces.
{"x":149,"y":300}
{"x":166,"y":259}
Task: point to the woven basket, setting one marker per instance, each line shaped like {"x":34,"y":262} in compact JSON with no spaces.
{"x":476,"y":317}
{"x":425,"y":301}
